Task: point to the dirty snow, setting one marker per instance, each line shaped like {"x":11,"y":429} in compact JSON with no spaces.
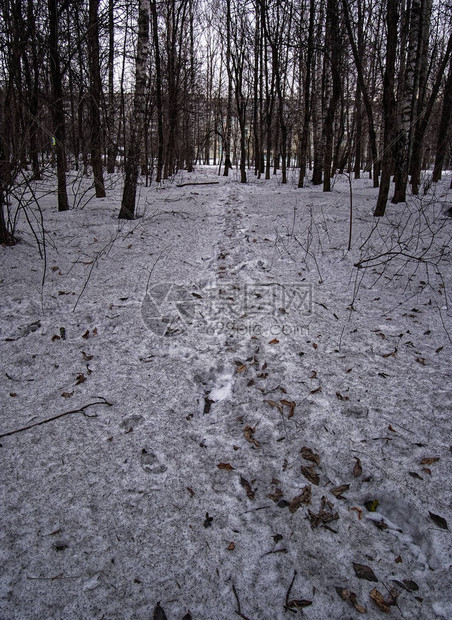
{"x":227,"y":326}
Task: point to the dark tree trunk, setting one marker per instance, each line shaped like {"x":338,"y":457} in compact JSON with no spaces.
{"x":57,"y":105}
{"x":139,"y":105}
{"x":95,"y":99}
{"x":388,"y":106}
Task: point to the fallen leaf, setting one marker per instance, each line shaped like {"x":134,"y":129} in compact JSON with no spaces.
{"x":313,"y":374}
{"x":80,"y":379}
{"x":324,"y":516}
{"x":274,"y":341}
{"x":439,"y":521}
{"x":398,"y":559}
{"x":358,"y":510}
{"x":309,"y":455}
{"x":372,"y":505}
{"x":315,"y":345}
{"x":337,"y":491}
{"x":190,"y":491}
{"x":391,"y":429}
{"x":298,"y":604}
{"x":241,"y":368}
{"x":86,"y":334}
{"x":414,"y":474}
{"x":55,"y":337}
{"x":407,"y":584}
{"x":86,"y":357}
{"x":340,"y":397}
{"x":67,"y":394}
{"x":351,"y":596}
{"x":421,"y":360}
{"x":231,"y":546}
{"x":357,"y":469}
{"x":430,"y":460}
{"x":276,"y":495}
{"x":248,"y":434}
{"x":319,"y":389}
{"x":311,"y":474}
{"x":378,"y":598}
{"x":303,"y":498}
{"x":364,"y":572}
{"x":273,"y":403}
{"x":291,"y":404}
{"x":13,"y":394}
{"x":226,"y":466}
{"x":159,"y":614}
{"x":246,"y":485}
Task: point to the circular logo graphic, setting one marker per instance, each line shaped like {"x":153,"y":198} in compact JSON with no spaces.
{"x":168,"y":309}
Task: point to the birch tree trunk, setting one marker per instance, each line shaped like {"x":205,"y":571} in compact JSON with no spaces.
{"x":404,"y":144}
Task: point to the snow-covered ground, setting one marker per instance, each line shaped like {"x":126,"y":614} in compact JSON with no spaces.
{"x":268,"y":429}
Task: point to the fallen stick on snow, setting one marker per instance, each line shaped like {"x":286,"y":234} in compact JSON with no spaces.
{"x":103,"y":401}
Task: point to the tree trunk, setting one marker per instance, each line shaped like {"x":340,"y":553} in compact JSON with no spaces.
{"x":132,"y":163}
{"x":95,"y":99}
{"x":404,"y":144}
{"x":111,"y":148}
{"x":307,"y":97}
{"x":388,"y":106}
{"x":444,"y":133}
{"x":57,"y":106}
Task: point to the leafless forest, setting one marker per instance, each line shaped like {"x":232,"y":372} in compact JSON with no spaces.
{"x":150,"y":88}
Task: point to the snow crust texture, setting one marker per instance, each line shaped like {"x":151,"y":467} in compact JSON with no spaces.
{"x":271,"y":434}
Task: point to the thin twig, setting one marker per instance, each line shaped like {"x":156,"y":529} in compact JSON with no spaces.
{"x":289,"y":589}
{"x":103,"y":401}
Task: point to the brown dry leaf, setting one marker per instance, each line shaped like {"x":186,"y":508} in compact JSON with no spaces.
{"x":274,"y":341}
{"x":364,"y":572}
{"x":309,"y":455}
{"x":313,"y":374}
{"x":392,"y":354}
{"x":55,"y":337}
{"x":248,"y":434}
{"x":231,"y":546}
{"x":310,"y":473}
{"x":291,"y":404}
{"x":95,"y":331}
{"x":87,"y":357}
{"x":356,"y":605}
{"x":414,"y":474}
{"x":358,"y":510}
{"x":190,"y":491}
{"x":298,"y":604}
{"x":241,"y":368}
{"x":319,"y":389}
{"x":303,"y":498}
{"x":430,"y":460}
{"x":380,"y":601}
{"x":324,"y":516}
{"x":80,"y":379}
{"x":340,"y":397}
{"x":357,"y":469}
{"x":315,"y":345}
{"x":421,"y":360}
{"x":273,"y":403}
{"x":86,"y":334}
{"x":276,"y":496}
{"x":246,"y":485}
{"x":225,"y":466}
{"x":337,"y":491}
{"x":67,"y":394}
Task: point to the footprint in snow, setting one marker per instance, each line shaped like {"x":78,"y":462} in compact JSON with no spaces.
{"x":151,"y":464}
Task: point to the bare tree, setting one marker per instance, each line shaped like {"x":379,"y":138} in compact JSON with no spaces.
{"x":127,"y":210}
